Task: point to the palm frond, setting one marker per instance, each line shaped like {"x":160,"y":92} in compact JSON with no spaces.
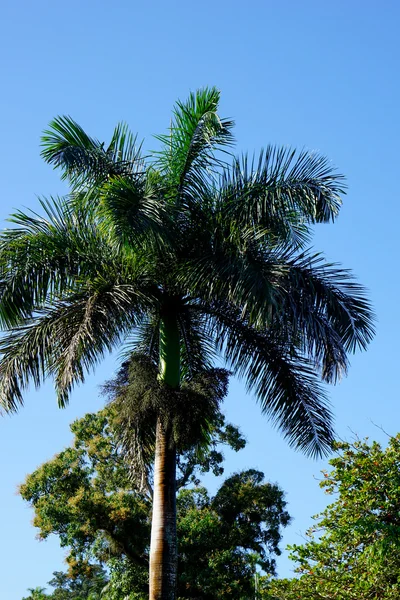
{"x":131,"y":213}
{"x":319,"y":303}
{"x":84,"y":160}
{"x":66,"y":340}
{"x":284,"y":381}
{"x":45,"y":258}
{"x":196,"y":133}
{"x":317,"y":288}
{"x":124,"y":149}
{"x":248,"y":281}
{"x":93,"y":326}
{"x":27,"y":354}
{"x":144,"y":340}
{"x":42,"y":257}
{"x":282,"y":192}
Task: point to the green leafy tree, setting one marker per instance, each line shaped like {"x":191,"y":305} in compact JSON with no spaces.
{"x":223,"y":540}
{"x":192,"y":257}
{"x":89,"y":586}
{"x":85,"y":496}
{"x":37,"y":593}
{"x":85,"y":586}
{"x":353,"y":550}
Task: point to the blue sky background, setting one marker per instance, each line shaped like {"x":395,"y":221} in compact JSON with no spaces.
{"x":323,"y":75}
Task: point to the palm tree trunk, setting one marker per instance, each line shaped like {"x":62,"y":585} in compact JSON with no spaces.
{"x":163,"y":545}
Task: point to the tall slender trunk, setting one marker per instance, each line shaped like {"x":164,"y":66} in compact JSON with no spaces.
{"x":163,"y":545}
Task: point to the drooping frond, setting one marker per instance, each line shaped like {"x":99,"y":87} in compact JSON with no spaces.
{"x":283,"y":381}
{"x":317,"y":302}
{"x":27,"y":354}
{"x":44,"y":258}
{"x":144,"y":340}
{"x":41,"y":256}
{"x":188,"y":156}
{"x":316,"y":288}
{"x":66,"y":340}
{"x":84,"y":160}
{"x":105,"y":318}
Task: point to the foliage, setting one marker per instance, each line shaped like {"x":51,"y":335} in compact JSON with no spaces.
{"x":139,"y":399}
{"x":222,"y":539}
{"x":185,"y":257}
{"x":215,"y":241}
{"x":37,"y":593}
{"x":82,"y":587}
{"x":353,"y":550}
{"x":84,"y":495}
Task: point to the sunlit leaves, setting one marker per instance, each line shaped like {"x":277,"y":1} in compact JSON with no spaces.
{"x":352,"y":552}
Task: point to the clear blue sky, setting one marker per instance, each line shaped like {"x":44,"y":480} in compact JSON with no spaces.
{"x":323,"y":75}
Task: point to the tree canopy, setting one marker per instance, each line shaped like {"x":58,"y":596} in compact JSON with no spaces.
{"x":353,"y":551}
{"x":86,"y":496}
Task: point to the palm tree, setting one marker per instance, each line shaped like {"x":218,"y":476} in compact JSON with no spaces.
{"x":186,"y":254}
{"x":37,"y":593}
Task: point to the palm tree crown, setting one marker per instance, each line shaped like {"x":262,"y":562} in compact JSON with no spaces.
{"x":192,"y":236}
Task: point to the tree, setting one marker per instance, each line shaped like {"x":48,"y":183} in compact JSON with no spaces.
{"x":223,"y":540}
{"x":353,"y":551}
{"x":85,"y":586}
{"x":37,"y":593}
{"x":85,"y":496}
{"x":191,"y":257}
{"x":82,"y":587}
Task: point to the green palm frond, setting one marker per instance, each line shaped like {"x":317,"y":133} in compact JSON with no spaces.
{"x":316,"y":300}
{"x":196,"y":133}
{"x":41,"y":256}
{"x":83,"y":159}
{"x":130,"y":213}
{"x":124,"y":149}
{"x":144,"y":340}
{"x":247,"y":281}
{"x":315,"y":287}
{"x":66,"y":340}
{"x":92,"y":327}
{"x":27,"y":356}
{"x":284,"y":382}
{"x":45,"y":258}
{"x":277,"y":196}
